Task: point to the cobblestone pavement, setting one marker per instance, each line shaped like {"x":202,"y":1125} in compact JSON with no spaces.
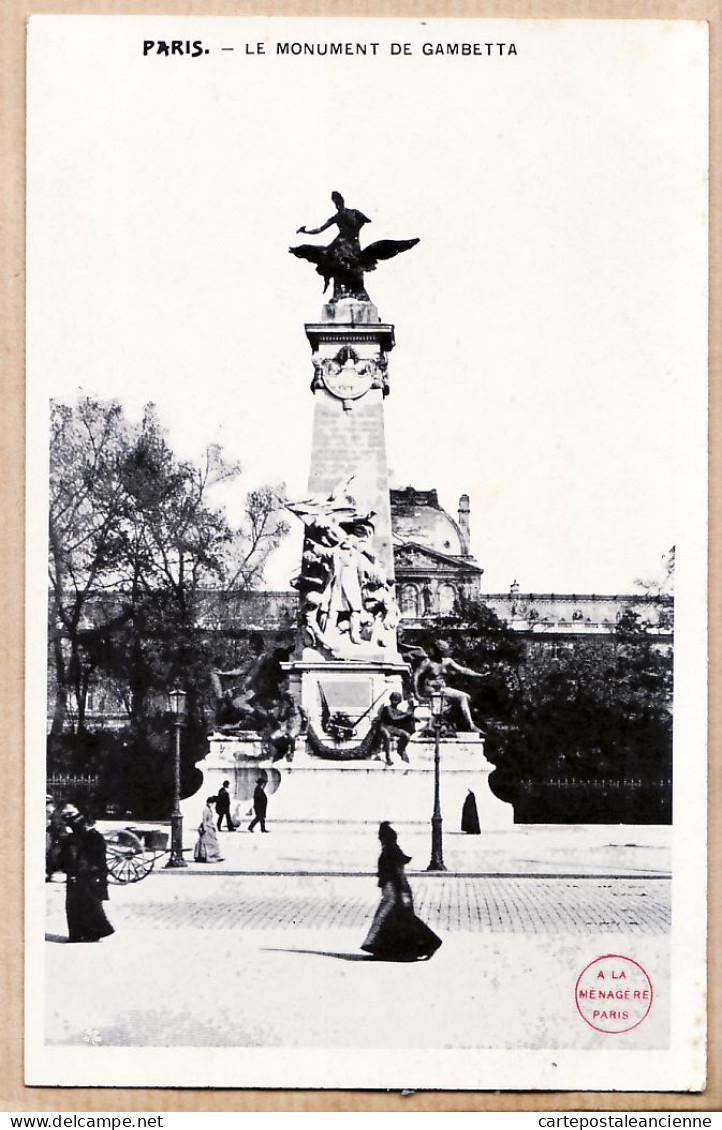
{"x":228,"y":962}
{"x":469,"y":904}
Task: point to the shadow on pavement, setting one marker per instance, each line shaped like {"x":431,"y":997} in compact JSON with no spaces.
{"x":60,"y":938}
{"x":322,"y":953}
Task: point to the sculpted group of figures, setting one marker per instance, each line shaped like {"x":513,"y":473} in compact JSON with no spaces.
{"x":257,"y":698}
{"x":396,"y":722}
{"x":348,"y":605}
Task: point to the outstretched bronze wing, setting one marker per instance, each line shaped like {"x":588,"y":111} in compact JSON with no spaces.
{"x":319,"y":256}
{"x":384,"y":249}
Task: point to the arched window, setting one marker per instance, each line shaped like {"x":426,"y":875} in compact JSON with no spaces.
{"x":409,"y":601}
{"x":447,"y":600}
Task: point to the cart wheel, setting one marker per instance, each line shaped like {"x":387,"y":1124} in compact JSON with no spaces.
{"x":129,"y":868}
{"x":127,"y":860}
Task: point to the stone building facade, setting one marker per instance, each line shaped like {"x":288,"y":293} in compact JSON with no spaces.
{"x":435,"y":573}
{"x":435,"y":569}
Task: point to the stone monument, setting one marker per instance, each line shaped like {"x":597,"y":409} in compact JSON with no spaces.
{"x":346,"y":664}
{"x":347,"y":660}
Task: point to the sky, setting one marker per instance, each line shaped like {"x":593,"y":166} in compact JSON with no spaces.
{"x":550,"y":324}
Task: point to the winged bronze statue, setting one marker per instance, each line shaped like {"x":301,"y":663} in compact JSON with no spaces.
{"x":344,"y":261}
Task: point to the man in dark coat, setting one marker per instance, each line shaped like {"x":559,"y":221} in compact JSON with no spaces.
{"x":223,"y":807}
{"x":260,"y":804}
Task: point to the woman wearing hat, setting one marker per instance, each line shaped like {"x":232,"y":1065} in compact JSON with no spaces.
{"x":87,"y":883}
{"x":396,"y":933}
{"x":208,"y":848}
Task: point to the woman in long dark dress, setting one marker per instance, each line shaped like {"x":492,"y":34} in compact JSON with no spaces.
{"x":470,"y":816}
{"x":396,"y":933}
{"x":87,"y":883}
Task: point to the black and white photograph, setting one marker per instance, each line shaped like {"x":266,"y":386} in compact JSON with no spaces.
{"x":366,"y":572}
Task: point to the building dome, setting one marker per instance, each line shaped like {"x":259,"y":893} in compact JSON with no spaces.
{"x":416,"y":516}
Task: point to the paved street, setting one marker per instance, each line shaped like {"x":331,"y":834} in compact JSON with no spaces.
{"x":468,"y":904}
{"x":273,"y":961}
{"x":324,"y":847}
{"x":236,"y":956}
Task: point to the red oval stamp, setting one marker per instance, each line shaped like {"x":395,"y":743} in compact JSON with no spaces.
{"x":613,"y":993}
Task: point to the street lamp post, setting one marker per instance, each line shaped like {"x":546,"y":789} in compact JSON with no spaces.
{"x":177,"y":699}
{"x":437,"y":853}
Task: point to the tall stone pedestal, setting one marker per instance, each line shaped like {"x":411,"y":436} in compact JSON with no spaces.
{"x":350,"y":362}
{"x":347,"y":661}
{"x":312,"y":790}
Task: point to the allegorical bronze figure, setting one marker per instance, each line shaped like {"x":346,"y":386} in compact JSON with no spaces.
{"x":344,"y":260}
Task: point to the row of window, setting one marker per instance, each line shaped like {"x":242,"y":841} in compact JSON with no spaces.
{"x":422,"y":600}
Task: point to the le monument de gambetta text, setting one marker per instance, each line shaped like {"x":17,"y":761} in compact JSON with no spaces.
{"x":195,"y":48}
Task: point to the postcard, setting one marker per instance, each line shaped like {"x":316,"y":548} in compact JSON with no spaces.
{"x":366,"y":649}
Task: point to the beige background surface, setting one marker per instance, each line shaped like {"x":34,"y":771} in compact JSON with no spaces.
{"x":13,"y":1095}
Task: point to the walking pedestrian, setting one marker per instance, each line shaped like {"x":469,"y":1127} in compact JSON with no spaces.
{"x":396,"y":934}
{"x":207,"y":849}
{"x":260,"y":805}
{"x":223,"y":807}
{"x":87,"y":881}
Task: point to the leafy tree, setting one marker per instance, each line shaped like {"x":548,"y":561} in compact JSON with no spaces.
{"x":568,"y":720}
{"x":88,"y":505}
{"x":597,"y":712}
{"x":139,"y":558}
